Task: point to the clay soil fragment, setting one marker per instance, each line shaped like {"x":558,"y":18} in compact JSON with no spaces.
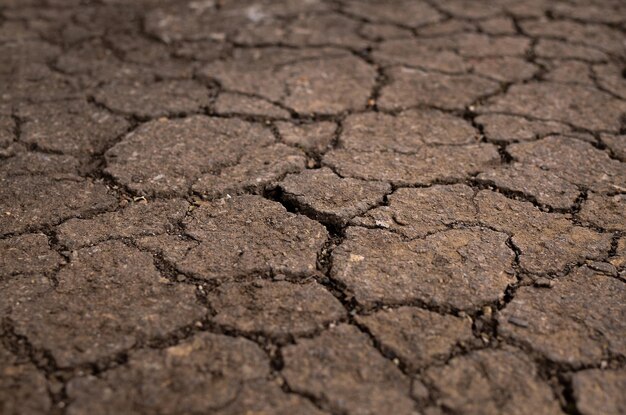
{"x":154,"y":100}
{"x":405,"y":13}
{"x":253,"y":172}
{"x":228,"y":103}
{"x":342,"y":363}
{"x":72,"y":127}
{"x":48,"y":201}
{"x":548,"y":241}
{"x":573,"y":104}
{"x":424,"y":166}
{"x":493,"y":382}
{"x":109,"y":298}
{"x":544,"y":186}
{"x":165,"y":157}
{"x":415,"y":335}
{"x":577,"y":322}
{"x":405,"y":132}
{"x":617,"y":144}
{"x":138,"y":219}
{"x":510,"y":128}
{"x":324,"y":81}
{"x":606,"y":211}
{"x":417,"y":212}
{"x":305,"y":30}
{"x":249,"y":235}
{"x":316,"y":137}
{"x":24,"y":163}
{"x":410,"y":87}
{"x":331,"y":199}
{"x":574,"y":161}
{"x":277,"y":309}
{"x":206,"y":373}
{"x":455,"y":269}
{"x":598,"y":391}
{"x":27,"y":254}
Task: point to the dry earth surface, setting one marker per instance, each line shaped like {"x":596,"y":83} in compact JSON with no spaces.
{"x":312,"y":207}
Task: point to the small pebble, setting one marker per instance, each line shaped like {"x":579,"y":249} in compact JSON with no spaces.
{"x":543,"y":282}
{"x":604,"y":267}
{"x":518,"y":322}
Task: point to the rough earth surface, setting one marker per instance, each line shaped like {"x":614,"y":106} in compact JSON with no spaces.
{"x":342,"y":207}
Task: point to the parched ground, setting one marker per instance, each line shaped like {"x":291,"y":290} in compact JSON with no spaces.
{"x":312,"y":207}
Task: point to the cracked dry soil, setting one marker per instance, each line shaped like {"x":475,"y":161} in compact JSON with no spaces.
{"x":312,"y":207}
